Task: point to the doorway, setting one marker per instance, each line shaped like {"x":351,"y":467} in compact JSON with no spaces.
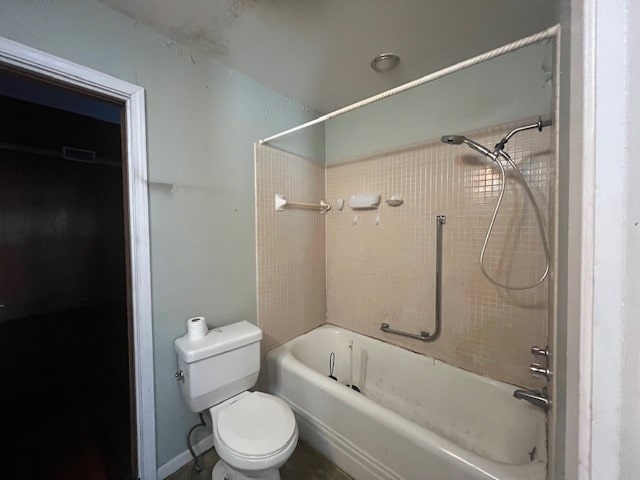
{"x":64,"y":316}
{"x":50,"y":68}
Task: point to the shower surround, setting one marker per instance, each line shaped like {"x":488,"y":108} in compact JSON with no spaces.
{"x":290,"y":254}
{"x":380,"y":264}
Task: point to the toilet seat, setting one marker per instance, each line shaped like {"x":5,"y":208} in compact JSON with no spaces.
{"x":256,"y":432}
{"x":258,"y":425}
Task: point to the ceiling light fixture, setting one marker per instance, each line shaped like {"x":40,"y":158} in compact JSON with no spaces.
{"x":385,"y":62}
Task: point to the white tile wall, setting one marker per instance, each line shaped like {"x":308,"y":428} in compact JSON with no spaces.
{"x":290,"y":247}
{"x":386,"y":272}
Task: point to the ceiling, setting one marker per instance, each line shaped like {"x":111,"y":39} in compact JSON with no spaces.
{"x":318,"y":51}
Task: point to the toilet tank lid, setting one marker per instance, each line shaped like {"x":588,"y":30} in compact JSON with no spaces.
{"x":216,"y":341}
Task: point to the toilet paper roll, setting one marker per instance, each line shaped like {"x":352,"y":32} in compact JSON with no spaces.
{"x":196,"y":328}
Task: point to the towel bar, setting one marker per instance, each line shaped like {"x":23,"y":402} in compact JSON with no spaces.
{"x":282,"y":202}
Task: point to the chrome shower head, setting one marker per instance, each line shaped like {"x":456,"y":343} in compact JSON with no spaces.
{"x":460,"y":139}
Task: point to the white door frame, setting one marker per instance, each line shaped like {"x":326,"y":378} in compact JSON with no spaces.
{"x":132,"y":96}
{"x":603,"y":331}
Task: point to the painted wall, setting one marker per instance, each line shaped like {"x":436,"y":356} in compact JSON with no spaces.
{"x":62,"y":242}
{"x":603,"y":332}
{"x":202,"y":121}
{"x":514,"y":86}
{"x":631,"y":373}
{"x":615,"y":410}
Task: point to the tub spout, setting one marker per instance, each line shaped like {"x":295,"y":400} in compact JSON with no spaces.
{"x":534,"y":397}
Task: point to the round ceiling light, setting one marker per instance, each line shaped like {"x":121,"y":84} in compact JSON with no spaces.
{"x":385,"y":62}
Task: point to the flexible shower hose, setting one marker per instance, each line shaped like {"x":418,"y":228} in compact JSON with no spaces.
{"x":493,"y":220}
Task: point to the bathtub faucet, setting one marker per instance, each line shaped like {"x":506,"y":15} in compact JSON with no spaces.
{"x":534,"y":397}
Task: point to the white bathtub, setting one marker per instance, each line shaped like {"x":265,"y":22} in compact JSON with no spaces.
{"x":417,"y":418}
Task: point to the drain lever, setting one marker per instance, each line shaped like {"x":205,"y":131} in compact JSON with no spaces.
{"x":332,"y":364}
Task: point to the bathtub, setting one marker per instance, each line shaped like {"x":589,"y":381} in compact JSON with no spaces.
{"x":417,"y":418}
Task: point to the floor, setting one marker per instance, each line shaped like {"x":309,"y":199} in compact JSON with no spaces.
{"x":56,"y":401}
{"x":305,"y":464}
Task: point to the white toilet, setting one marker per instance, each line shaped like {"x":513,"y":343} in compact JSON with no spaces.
{"x":253,"y":433}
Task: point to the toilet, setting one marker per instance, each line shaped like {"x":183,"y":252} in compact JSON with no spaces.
{"x":254,"y":433}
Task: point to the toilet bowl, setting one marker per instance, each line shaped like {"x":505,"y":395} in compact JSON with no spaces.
{"x":254,"y":434}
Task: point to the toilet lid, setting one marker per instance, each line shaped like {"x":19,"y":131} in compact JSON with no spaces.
{"x":256,"y":425}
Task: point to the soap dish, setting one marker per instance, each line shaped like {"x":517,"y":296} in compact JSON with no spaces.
{"x":364,"y":201}
{"x":394,"y":201}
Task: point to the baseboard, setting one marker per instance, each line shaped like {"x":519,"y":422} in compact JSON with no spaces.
{"x":183,"y":458}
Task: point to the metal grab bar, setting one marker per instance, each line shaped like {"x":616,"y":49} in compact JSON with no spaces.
{"x":425,"y":336}
{"x":282,"y":202}
{"x":420,"y":336}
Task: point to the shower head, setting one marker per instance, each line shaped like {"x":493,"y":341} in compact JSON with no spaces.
{"x":460,"y":139}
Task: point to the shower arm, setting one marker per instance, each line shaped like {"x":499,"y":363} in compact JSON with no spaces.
{"x":540,"y":124}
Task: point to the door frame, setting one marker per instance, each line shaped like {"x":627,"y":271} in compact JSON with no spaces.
{"x":603,"y":331}
{"x":69,"y":74}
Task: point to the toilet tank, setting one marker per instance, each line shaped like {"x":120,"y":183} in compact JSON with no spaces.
{"x":220,"y":365}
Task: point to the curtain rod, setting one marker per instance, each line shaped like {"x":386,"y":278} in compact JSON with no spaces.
{"x":510,"y":47}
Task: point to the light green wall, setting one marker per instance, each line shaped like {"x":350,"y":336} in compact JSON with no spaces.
{"x":81,"y":31}
{"x":514,"y":86}
{"x":202,"y":120}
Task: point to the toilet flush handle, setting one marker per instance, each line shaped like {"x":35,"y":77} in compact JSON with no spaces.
{"x":179,"y":376}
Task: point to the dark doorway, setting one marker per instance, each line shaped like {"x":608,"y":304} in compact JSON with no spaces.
{"x":67,"y":403}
